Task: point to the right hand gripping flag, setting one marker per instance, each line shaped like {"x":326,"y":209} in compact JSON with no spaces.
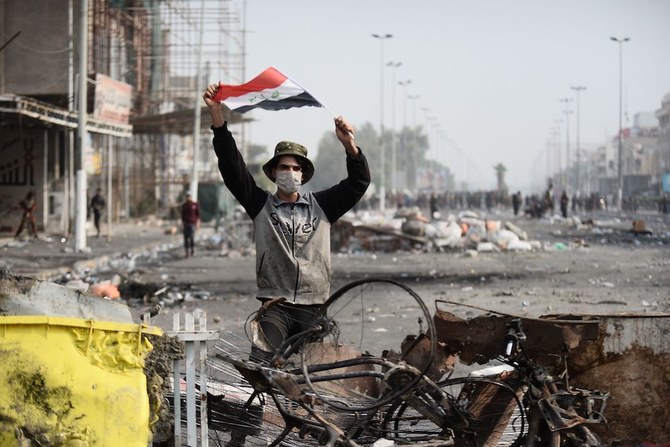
{"x":270,"y":90}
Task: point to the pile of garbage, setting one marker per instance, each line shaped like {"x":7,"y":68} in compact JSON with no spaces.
{"x":410,"y":229}
{"x":469,"y":231}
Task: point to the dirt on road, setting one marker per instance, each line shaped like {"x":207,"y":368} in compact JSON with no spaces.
{"x":598,"y":270}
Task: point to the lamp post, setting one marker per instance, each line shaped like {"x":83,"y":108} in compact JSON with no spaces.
{"x":413,"y":98}
{"x":427,"y":119}
{"x":197,"y":109}
{"x":547,"y":154}
{"x":404,"y":100}
{"x":578,"y":180}
{"x":620,"y":41}
{"x":403,"y":144}
{"x":393,"y":66}
{"x":382,"y":180}
{"x":567,"y":111}
{"x":557,"y":137}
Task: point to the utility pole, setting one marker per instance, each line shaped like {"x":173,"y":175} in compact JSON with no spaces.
{"x":620,"y":156}
{"x":578,"y":89}
{"x":393,"y":66}
{"x":382,"y":181}
{"x":567,"y":111}
{"x":403,"y":142}
{"x":68,"y":188}
{"x":80,"y":211}
{"x":198,"y":109}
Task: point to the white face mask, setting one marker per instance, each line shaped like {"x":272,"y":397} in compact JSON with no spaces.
{"x":288,"y":182}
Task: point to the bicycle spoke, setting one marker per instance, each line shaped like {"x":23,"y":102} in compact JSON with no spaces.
{"x":484,"y":413}
{"x":377,"y":315}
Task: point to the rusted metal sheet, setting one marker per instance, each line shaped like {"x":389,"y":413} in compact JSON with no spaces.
{"x":480,"y":339}
{"x":625,"y":355}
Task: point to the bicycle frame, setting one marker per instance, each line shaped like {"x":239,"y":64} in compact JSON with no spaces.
{"x":546,"y":410}
{"x":554,"y":407}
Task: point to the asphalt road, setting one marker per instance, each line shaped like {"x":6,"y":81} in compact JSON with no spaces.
{"x":602,"y":269}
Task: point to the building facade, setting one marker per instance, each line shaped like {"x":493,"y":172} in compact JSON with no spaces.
{"x":663,"y":115}
{"x":141,"y":102}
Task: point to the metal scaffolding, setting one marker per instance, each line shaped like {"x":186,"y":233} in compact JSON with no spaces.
{"x":153,"y":45}
{"x":150,"y":45}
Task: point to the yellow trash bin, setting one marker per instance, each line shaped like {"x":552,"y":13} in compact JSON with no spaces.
{"x":73,"y":382}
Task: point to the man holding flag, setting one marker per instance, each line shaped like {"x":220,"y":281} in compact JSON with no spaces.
{"x":292,"y":229}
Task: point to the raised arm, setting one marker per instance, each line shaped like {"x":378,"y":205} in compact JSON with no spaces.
{"x":338,"y":199}
{"x":213,"y":106}
{"x":345,"y":133}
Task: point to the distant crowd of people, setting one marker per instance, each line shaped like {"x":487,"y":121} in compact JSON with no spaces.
{"x":533,"y":205}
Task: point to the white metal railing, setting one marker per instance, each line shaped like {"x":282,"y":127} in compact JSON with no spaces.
{"x":195,"y":335}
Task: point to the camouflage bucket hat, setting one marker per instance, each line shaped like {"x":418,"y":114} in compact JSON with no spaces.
{"x":296,"y":150}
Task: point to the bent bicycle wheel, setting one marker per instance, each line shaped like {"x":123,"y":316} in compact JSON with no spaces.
{"x":483,"y":412}
{"x":373,"y":348}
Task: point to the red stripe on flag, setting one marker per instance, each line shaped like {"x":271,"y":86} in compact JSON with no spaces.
{"x":270,"y":78}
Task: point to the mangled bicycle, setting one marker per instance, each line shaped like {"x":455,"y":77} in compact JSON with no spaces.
{"x":323,"y":387}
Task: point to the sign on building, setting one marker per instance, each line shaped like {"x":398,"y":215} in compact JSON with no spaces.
{"x":112,"y":100}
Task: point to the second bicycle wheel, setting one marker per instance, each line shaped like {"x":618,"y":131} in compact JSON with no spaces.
{"x":484,"y":413}
{"x":369,"y":325}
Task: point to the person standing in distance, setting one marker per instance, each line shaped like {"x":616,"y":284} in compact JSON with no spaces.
{"x":190,"y":219}
{"x":291,"y":229}
{"x":98,"y":205}
{"x":27,"y":207}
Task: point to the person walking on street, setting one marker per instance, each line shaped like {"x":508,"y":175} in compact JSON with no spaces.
{"x":564,"y":200}
{"x":98,"y":205}
{"x":28,"y":207}
{"x":291,"y":229}
{"x":516,"y":202}
{"x":190,"y":219}
{"x":549,"y":199}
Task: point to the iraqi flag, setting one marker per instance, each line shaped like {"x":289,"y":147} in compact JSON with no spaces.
{"x":270,"y":90}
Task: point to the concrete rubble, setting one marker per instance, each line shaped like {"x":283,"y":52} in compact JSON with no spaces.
{"x":20,"y":295}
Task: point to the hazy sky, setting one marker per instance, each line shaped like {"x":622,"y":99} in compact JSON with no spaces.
{"x":491,"y":72}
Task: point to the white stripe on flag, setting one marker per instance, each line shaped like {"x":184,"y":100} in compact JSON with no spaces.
{"x":285,"y":90}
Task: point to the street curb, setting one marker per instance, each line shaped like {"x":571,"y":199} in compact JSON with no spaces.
{"x":101,"y":261}
{"x":104,"y":260}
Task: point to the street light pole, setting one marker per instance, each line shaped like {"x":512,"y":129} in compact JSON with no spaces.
{"x":413,"y":98}
{"x":393,"y":66}
{"x":382,"y":180}
{"x":547,"y":153}
{"x":620,"y":41}
{"x":578,"y":89}
{"x":404,"y":100}
{"x":197,"y":108}
{"x":558,"y":146}
{"x":567,"y":111}
{"x":403,"y":145}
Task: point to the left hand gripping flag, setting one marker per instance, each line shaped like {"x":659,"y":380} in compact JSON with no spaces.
{"x":270,"y":90}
